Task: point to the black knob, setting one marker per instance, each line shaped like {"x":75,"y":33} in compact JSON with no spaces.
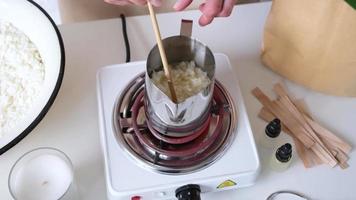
{"x":284,"y":153}
{"x":188,"y":192}
{"x":273,"y":129}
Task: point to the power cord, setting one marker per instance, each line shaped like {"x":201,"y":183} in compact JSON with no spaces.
{"x":126,"y":39}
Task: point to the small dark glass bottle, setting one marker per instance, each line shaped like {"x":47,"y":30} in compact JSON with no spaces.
{"x":272,"y":131}
{"x":282,"y":158}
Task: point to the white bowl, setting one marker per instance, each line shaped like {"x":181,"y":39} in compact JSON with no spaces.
{"x":31,"y":19}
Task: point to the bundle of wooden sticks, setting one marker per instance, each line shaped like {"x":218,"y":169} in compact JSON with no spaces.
{"x":314,"y":143}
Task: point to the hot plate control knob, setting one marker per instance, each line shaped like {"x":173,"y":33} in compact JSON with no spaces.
{"x":188,"y":192}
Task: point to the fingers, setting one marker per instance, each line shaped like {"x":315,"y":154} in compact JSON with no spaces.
{"x":155,"y":3}
{"x":215,"y":8}
{"x":139,"y":2}
{"x":210,"y":9}
{"x":227,"y":8}
{"x":118,"y":2}
{"x":182,"y":4}
{"x":204,"y":20}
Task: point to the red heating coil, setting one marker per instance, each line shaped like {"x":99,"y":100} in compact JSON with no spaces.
{"x":192,"y":149}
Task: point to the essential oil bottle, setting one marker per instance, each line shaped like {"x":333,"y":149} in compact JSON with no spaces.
{"x":272,"y":131}
{"x":282,"y":158}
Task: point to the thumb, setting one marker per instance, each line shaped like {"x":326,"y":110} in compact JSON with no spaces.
{"x":182,"y":4}
{"x":156,"y":3}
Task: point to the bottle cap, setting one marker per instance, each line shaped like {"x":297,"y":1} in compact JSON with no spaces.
{"x":273,"y":129}
{"x":284,"y":153}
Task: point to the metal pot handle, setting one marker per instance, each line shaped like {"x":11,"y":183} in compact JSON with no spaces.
{"x":186,"y":27}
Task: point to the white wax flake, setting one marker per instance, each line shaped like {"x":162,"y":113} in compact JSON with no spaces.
{"x":22,"y":75}
{"x":187,"y":78}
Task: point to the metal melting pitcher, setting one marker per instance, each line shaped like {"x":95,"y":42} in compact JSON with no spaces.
{"x":184,"y":118}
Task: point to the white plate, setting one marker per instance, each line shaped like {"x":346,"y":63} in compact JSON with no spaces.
{"x":42,"y":31}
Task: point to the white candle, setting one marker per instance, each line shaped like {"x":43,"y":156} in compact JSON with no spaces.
{"x":41,"y":177}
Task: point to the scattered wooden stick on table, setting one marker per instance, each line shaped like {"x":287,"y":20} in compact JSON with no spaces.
{"x":314,"y":143}
{"x":286,"y":117}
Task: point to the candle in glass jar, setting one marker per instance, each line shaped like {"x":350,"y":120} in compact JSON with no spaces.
{"x":41,"y":177}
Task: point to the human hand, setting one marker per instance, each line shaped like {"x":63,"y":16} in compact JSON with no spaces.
{"x":210,"y":9}
{"x":155,"y":3}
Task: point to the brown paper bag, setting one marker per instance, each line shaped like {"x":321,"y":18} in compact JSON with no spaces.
{"x":313,"y":43}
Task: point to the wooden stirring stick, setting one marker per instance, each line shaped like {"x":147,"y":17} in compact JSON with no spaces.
{"x":167,"y":71}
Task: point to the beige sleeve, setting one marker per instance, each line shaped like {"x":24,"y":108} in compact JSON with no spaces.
{"x":313,"y":43}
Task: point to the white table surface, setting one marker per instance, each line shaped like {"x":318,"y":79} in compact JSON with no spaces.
{"x":72,"y":123}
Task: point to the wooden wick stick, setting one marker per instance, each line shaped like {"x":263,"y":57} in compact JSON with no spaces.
{"x":289,"y":105}
{"x":288,"y":120}
{"x":167,"y":71}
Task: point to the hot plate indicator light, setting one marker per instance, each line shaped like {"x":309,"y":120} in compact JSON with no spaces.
{"x":225,"y":184}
